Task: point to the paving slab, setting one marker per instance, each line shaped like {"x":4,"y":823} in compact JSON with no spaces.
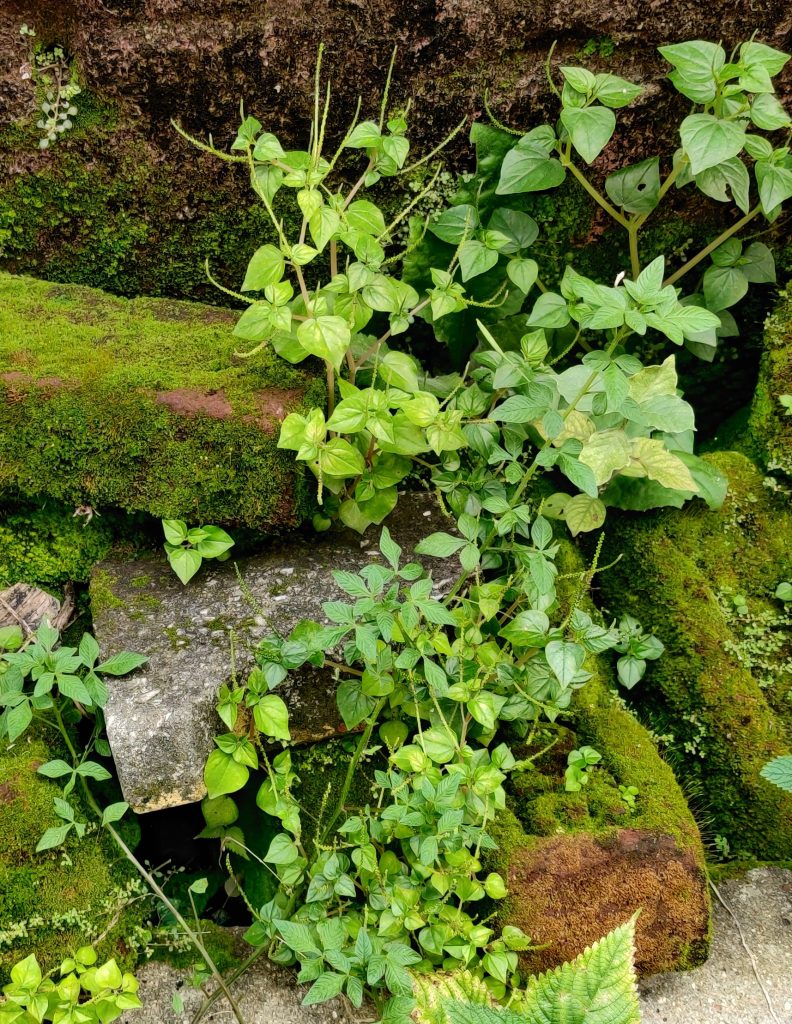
{"x":725,"y":990}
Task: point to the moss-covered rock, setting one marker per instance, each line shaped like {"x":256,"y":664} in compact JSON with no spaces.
{"x":141,"y":405}
{"x":580,"y":863}
{"x":770,"y":422}
{"x":54,"y":902}
{"x":704,"y":581}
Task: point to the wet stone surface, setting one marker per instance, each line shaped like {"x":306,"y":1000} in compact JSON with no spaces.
{"x":161,"y":720}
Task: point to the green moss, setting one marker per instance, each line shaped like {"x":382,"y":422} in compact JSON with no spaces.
{"x":53,"y":902}
{"x":102,"y":594}
{"x":144,"y":407}
{"x":48,"y":546}
{"x":769,"y":432}
{"x":676,"y":572}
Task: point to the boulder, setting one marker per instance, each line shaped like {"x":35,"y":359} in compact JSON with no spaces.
{"x":161,"y":720}
{"x":140,"y":404}
{"x":704,"y":581}
{"x":579,"y":864}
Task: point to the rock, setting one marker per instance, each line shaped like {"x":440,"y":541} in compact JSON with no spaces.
{"x":144,"y":407}
{"x":265,"y":994}
{"x":720,"y":691}
{"x":27,"y":607}
{"x":579,"y":864}
{"x":161,"y":720}
{"x":726,"y":989}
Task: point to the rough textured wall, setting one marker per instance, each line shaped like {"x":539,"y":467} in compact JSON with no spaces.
{"x":120,"y":202}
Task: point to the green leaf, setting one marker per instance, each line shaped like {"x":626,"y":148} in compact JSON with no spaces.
{"x":613,"y":91}
{"x":18,"y":719}
{"x":564,"y":659}
{"x":363,"y":215}
{"x":784,"y":591}
{"x":121,"y":664}
{"x":222,"y":774}
{"x":758,"y":264}
{"x":175,"y":531}
{"x":325,"y":336}
{"x":731,"y":174}
{"x":475,"y":258}
{"x":775,"y":184}
{"x":550,"y":310}
{"x":339,"y":458}
{"x":605,"y":453}
{"x":55,"y":769}
{"x":185,"y":562}
{"x":523,"y":273}
{"x":215,"y":542}
{"x":365,"y":135}
{"x":528,"y":169}
{"x":354,"y":705}
{"x":779,"y":772}
{"x":323,"y":225}
{"x":584,"y":514}
{"x":93,"y":770}
{"x":590,"y":129}
{"x":327,"y":986}
{"x":114,"y":812}
{"x":696,"y":63}
{"x":455,"y":224}
{"x":521,"y":229}
{"x":272,"y":717}
{"x":53,"y":837}
{"x":527,"y":629}
{"x":26,"y":974}
{"x":439,"y":744}
{"x":266,"y":267}
{"x":754,"y":54}
{"x":708,"y":141}
{"x":636,"y":188}
{"x":723,"y":287}
{"x":267,"y":148}
{"x":768,"y":114}
{"x":439,"y":545}
{"x":662,"y":465}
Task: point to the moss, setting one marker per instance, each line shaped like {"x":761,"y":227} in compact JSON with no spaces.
{"x":48,"y":546}
{"x":721,"y":725}
{"x":102,"y":594}
{"x":53,"y":902}
{"x":144,"y":408}
{"x":769,"y":432}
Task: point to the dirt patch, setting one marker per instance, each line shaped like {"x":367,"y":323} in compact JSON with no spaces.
{"x":188,"y":402}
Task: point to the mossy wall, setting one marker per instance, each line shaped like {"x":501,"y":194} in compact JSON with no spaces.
{"x":721,"y":693}
{"x":141,"y":405}
{"x":769,"y":433}
{"x":51,"y":903}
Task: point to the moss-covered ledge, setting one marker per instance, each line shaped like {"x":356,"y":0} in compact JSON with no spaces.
{"x":141,"y":404}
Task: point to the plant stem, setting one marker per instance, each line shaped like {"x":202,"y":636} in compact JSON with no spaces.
{"x":145,"y":875}
{"x":597,"y":196}
{"x":363,"y":742}
{"x":713,"y":245}
{"x":330,"y":374}
{"x":635,"y":259}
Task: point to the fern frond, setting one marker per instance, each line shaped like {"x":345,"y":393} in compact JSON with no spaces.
{"x":598,"y":987}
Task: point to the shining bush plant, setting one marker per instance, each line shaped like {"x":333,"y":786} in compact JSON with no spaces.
{"x":448,"y":687}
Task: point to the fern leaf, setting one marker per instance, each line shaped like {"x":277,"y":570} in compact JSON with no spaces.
{"x":598,"y":987}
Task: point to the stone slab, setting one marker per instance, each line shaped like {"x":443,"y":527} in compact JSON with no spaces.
{"x":161,"y":719}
